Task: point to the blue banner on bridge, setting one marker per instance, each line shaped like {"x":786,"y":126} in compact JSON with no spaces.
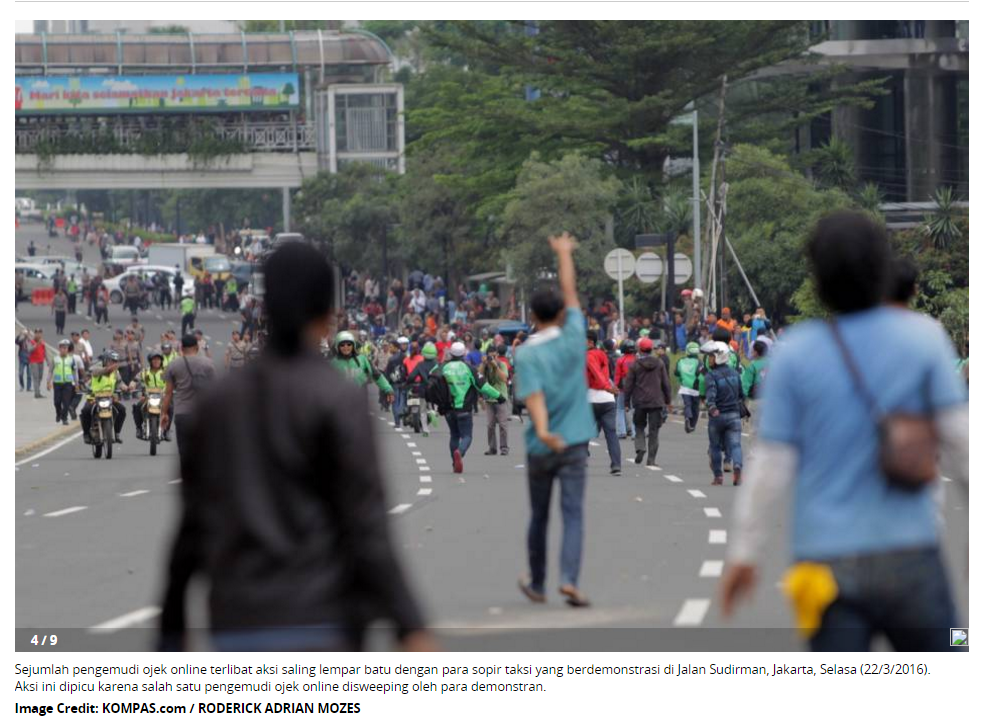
{"x":106,"y":95}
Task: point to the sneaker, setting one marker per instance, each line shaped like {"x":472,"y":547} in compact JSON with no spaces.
{"x":65,"y":421}
{"x":119,"y":440}
{"x":456,"y":462}
{"x":639,"y":457}
{"x":615,"y":471}
{"x":425,"y":434}
{"x":687,"y":426}
{"x":651,"y":463}
{"x":87,"y":439}
{"x":504,"y":452}
{"x":75,"y":416}
{"x":717,"y":481}
{"x":727,"y":466}
{"x":491,"y":453}
{"x":737,"y":477}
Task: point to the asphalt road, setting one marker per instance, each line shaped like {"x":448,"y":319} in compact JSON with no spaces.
{"x":92,"y":537}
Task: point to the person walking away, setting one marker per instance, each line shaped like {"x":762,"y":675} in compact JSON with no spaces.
{"x":687,"y":371}
{"x":23,"y":342}
{"x":186,"y":379}
{"x":867,"y":557}
{"x":283,"y":510}
{"x":464,"y":390}
{"x":36,"y":358}
{"x":63,"y":380}
{"x":647,"y":386}
{"x":187,"y":314}
{"x":102,"y":306}
{"x":418,"y":380}
{"x":496,"y":372}
{"x":723,"y":396}
{"x":624,"y":419}
{"x":72,"y":289}
{"x":754,"y":376}
{"x":602,"y":396}
{"x":396,"y":375}
{"x":232,"y":294}
{"x":179,"y":284}
{"x":59,"y":306}
{"x":561,"y":424}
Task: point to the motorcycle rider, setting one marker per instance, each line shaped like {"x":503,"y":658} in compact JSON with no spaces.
{"x":417,"y":382}
{"x":464,"y":389}
{"x":356,"y":367}
{"x":105,"y":379}
{"x":151,"y":379}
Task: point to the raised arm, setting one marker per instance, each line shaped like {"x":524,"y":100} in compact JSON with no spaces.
{"x":563,"y":247}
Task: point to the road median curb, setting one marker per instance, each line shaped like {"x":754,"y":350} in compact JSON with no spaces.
{"x":47,"y":440}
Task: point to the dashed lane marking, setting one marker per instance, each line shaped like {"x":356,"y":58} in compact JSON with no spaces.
{"x":177,"y":480}
{"x":424,"y":468}
{"x":405,"y":435}
{"x":654,"y":468}
{"x":696,"y":493}
{"x":424,"y":492}
{"x":390,"y":423}
{"x":65,"y":512}
{"x":945,"y":479}
{"x":411,"y":444}
{"x":711,"y":568}
{"x":134,"y":493}
{"x":399,"y":509}
{"x":416,"y":453}
{"x":594,"y":443}
{"x":717,"y":536}
{"x":675,"y":479}
{"x":692,"y":612}
{"x":713,"y":513}
{"x":127,"y":620}
{"x":425,"y":479}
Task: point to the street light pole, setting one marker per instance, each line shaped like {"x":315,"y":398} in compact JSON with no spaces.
{"x":696,"y":199}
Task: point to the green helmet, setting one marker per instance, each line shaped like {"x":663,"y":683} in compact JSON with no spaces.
{"x":692,"y":349}
{"x":429,"y":351}
{"x":344,"y":336}
{"x":645,"y":332}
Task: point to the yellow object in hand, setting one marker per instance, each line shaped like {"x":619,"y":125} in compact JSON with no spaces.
{"x":811,"y":588}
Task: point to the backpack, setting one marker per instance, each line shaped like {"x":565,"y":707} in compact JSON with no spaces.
{"x":438,"y":393}
{"x":398,"y":375}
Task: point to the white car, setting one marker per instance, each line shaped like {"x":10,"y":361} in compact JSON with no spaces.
{"x":35,"y":277}
{"x":147,"y":272}
{"x":123,"y":255}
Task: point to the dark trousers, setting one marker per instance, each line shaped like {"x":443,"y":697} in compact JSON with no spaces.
{"x":460,"y":427}
{"x":605,"y":421}
{"x":183,"y":427}
{"x":60,"y":322}
{"x":692,"y":407}
{"x":904,"y":595}
{"x":62,"y":394}
{"x":71,"y":303}
{"x":120,"y":413}
{"x":568,"y":468}
{"x":187,"y":322}
{"x":648,"y":422}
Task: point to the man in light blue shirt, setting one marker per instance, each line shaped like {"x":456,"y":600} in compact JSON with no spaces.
{"x":551,"y":382}
{"x":876,"y":543}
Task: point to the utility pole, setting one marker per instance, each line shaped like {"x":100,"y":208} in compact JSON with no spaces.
{"x":712,"y":225}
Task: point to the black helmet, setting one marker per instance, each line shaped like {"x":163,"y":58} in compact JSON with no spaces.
{"x":627,"y":347}
{"x":153,"y":354}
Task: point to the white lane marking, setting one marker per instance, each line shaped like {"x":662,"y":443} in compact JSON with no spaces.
{"x":745,"y":435}
{"x":399,"y":509}
{"x":46,"y":451}
{"x":696,"y":494}
{"x":390,"y":423}
{"x":945,"y":479}
{"x":711,"y":568}
{"x":692,"y":612}
{"x":713,"y":513}
{"x":127,"y":620}
{"x":222,"y":316}
{"x":416,"y":453}
{"x":424,"y":492}
{"x":177,"y":480}
{"x":420,"y":462}
{"x":158,"y":317}
{"x":630,"y":459}
{"x":134,"y":493}
{"x":425,"y":479}
{"x":411,"y":444}
{"x":397,"y":429}
{"x":717,"y":536}
{"x":424,"y":469}
{"x":655,"y":468}
{"x":405,"y":435}
{"x":64,"y":512}
{"x":381,"y":417}
{"x":594,"y":443}
{"x":675,"y":479}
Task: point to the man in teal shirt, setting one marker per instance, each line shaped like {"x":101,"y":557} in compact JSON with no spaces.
{"x":561,"y":424}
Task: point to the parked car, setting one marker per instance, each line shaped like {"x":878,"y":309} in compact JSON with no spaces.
{"x":35,"y":277}
{"x":123,"y":255}
{"x":242,"y":272}
{"x":145,"y":272}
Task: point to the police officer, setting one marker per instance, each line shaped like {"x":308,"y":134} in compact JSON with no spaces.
{"x":151,"y":379}
{"x":63,"y":377}
{"x":105,"y":379}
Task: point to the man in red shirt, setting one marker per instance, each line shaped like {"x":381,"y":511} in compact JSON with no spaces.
{"x":36,"y":359}
{"x":442,"y":343}
{"x":602,"y":396}
{"x":624,"y":419}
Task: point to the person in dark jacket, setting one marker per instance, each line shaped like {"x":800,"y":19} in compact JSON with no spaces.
{"x":646,"y":387}
{"x":723,"y":397}
{"x":283,"y":510}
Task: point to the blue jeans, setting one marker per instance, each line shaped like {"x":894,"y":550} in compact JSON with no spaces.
{"x":623,"y":418}
{"x":569,"y":469}
{"x":460,"y":427}
{"x":24,"y":373}
{"x":902,"y":594}
{"x":692,"y":407}
{"x":725,"y":431}
{"x":399,"y":404}
{"x":605,"y":421}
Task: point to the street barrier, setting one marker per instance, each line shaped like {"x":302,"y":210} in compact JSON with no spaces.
{"x":42,"y":296}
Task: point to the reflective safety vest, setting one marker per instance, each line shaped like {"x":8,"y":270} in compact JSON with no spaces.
{"x":104,"y":383}
{"x":167,"y":360}
{"x":153,"y":378}
{"x":231,"y":286}
{"x":187,"y":306}
{"x":64,"y":370}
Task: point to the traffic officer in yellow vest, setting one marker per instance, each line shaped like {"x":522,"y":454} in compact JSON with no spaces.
{"x":63,"y":378}
{"x":104,"y":379}
{"x":167,"y":355}
{"x":151,"y":378}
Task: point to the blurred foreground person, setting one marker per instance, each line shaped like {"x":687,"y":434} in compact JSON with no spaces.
{"x":858,"y":444}
{"x":283,"y":509}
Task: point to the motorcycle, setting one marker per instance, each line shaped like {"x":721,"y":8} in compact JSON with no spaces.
{"x":152,"y":417}
{"x":102,"y":430}
{"x":412,"y":414}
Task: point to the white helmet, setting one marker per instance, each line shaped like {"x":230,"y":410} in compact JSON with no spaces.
{"x":697,"y":293}
{"x":403,"y":340}
{"x":457,"y":349}
{"x":722,"y":352}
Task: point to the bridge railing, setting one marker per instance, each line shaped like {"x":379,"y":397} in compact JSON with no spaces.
{"x":267,"y":136}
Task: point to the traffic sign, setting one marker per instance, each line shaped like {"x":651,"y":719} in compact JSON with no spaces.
{"x":683,"y":269}
{"x":649,"y":267}
{"x":619,"y":264}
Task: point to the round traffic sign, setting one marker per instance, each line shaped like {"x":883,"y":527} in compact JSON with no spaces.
{"x":649,"y":267}
{"x":683,"y":269}
{"x":620,"y":264}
